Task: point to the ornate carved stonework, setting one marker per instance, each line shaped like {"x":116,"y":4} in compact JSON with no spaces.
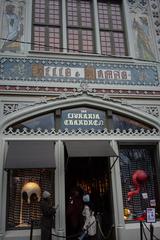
{"x":9,"y":108}
{"x":142,"y":27}
{"x":155,"y":10}
{"x":153,"y":110}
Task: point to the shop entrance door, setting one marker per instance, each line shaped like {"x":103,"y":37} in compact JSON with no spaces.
{"x":91,"y":175}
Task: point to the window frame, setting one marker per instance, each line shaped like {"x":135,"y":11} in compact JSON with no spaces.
{"x":80,"y":29}
{"x":111,"y":30}
{"x":47,"y":25}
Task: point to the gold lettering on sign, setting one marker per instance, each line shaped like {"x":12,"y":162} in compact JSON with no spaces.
{"x":90,"y":73}
{"x":37,"y":70}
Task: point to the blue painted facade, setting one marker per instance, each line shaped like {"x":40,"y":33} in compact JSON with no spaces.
{"x":70,"y":71}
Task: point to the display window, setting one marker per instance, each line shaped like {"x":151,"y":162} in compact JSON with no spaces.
{"x":82,"y":118}
{"x":124,"y":123}
{"x":139,"y":181}
{"x":25,"y":187}
{"x":43,"y":122}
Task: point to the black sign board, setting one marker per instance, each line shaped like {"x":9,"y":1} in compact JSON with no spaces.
{"x":83,"y":118}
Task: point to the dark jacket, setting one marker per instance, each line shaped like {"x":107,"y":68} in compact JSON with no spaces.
{"x":48,"y":213}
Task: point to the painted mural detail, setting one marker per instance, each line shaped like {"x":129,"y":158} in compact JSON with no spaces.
{"x":12,"y":25}
{"x":155,"y":9}
{"x":30,"y":70}
{"x":143,"y":41}
{"x":141,"y":25}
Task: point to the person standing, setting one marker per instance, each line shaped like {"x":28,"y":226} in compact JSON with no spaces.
{"x":90,"y":223}
{"x":74,"y":213}
{"x":48,"y":214}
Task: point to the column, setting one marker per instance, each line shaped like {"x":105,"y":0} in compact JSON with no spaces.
{"x":3,"y":185}
{"x":128,"y":29}
{"x":60,"y":189}
{"x":64,"y":26}
{"x":117,"y":195}
{"x":96,"y":27}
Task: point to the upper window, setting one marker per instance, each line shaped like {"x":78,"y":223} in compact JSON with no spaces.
{"x":111,"y":28}
{"x":81,"y":34}
{"x":46,"y":25}
{"x":80,"y":26}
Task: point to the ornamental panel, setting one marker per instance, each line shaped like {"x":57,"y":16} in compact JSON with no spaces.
{"x":22,"y":70}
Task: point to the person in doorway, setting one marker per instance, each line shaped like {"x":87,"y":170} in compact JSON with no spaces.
{"x":48,"y":215}
{"x":90,"y":223}
{"x":74,"y":213}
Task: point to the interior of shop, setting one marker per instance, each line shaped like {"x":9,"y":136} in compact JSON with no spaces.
{"x":91,"y":176}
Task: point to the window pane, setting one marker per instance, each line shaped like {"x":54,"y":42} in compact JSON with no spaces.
{"x":103,"y":15}
{"x":119,"y":44}
{"x":110,"y":20}
{"x":72,"y":11}
{"x":46,"y":25}
{"x":79,"y":15}
{"x":116,"y":17}
{"x":85,"y":8}
{"x":54,"y":12}
{"x":42,"y":122}
{"x":138,"y":179}
{"x":106,"y":48}
{"x":39,"y":16}
{"x":54,"y":39}
{"x":124,"y":123}
{"x":87,"y":41}
{"x":73,"y":40}
{"x":39,"y":38}
{"x":22,"y":207}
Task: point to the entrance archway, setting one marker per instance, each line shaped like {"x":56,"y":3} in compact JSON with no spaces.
{"x":88,"y":182}
{"x":90,"y":161}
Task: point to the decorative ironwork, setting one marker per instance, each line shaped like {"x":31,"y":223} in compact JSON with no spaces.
{"x":66,"y":132}
{"x":9,"y":108}
{"x":153,"y":110}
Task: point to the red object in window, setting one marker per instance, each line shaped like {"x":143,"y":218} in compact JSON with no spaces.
{"x":141,"y":218}
{"x":139,"y":177}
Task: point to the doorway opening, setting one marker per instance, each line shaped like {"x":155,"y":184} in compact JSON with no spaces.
{"x":91,"y":175}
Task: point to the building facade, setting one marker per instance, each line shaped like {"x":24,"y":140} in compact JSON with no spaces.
{"x":80,"y":107}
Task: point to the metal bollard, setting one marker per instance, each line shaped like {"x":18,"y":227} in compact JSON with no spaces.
{"x":31,"y":230}
{"x":141,"y":230}
{"x":151,"y":231}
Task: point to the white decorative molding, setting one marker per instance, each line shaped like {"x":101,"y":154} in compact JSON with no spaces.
{"x":150,"y":109}
{"x":105,"y":132}
{"x":10,"y":107}
{"x":74,"y":99}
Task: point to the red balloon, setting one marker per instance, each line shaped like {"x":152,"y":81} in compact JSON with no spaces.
{"x":139,"y":177}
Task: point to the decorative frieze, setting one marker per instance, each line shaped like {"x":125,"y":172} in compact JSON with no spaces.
{"x":46,"y":71}
{"x":153,"y":110}
{"x":80,"y":132}
{"x":9,"y":108}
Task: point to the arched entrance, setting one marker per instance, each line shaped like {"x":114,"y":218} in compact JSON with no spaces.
{"x":88,"y":177}
{"x":81,"y":169}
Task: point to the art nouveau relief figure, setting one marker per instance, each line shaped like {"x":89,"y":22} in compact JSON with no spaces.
{"x":12,"y":26}
{"x":143,"y":41}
